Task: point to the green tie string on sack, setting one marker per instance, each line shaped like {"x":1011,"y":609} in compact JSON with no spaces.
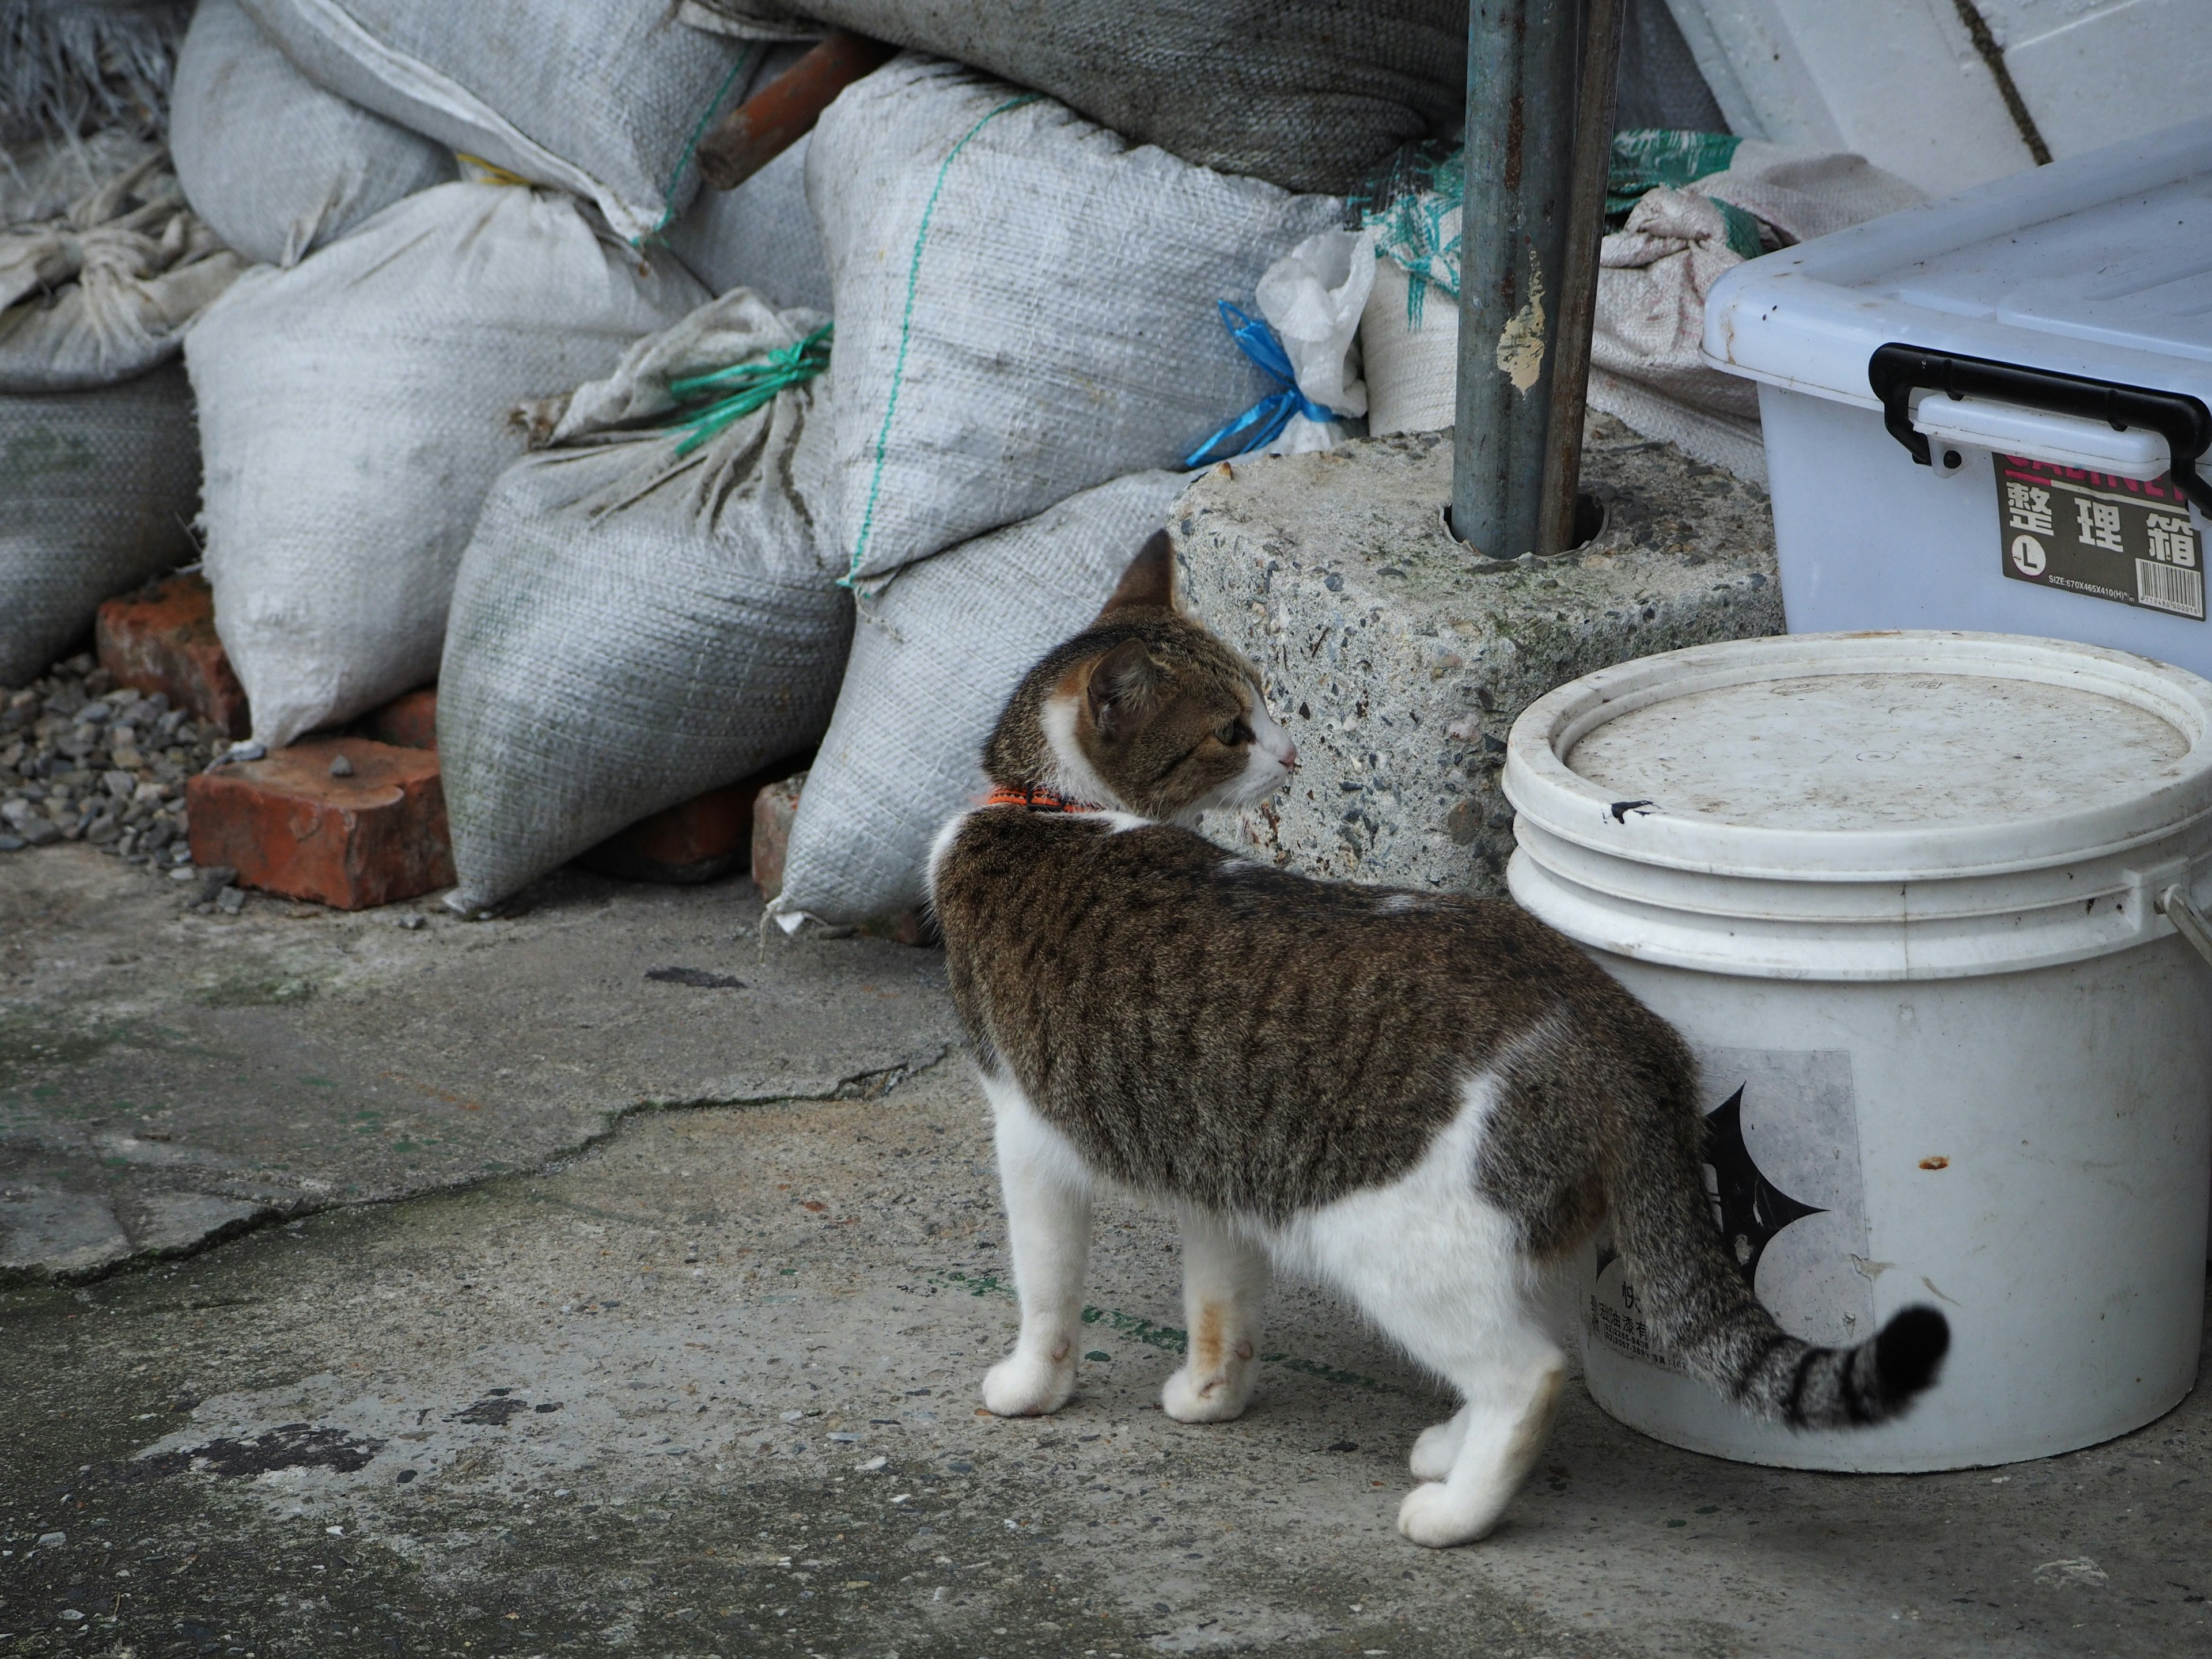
{"x":734,"y":392}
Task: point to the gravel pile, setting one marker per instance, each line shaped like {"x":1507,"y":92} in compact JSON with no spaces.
{"x":82,"y":759}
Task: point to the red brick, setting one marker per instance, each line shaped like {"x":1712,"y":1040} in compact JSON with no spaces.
{"x":287,"y":826}
{"x":408,"y":722}
{"x":692,"y":841}
{"x":165,"y":641}
{"x":772,"y":814}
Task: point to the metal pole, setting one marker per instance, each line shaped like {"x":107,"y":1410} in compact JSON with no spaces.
{"x":1521,"y":61}
{"x":1593,"y":161}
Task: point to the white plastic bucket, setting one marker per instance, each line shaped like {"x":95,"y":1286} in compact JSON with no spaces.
{"x":1902,"y":894}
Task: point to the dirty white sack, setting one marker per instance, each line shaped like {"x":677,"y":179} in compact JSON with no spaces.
{"x":102,"y":293}
{"x":100,"y":487}
{"x":354,"y":412}
{"x":275,"y":164}
{"x":1025,"y":302}
{"x":760,"y":235}
{"x":607,"y":101}
{"x":1409,"y":350}
{"x":1656,"y":272}
{"x":633,"y":625}
{"x":934,"y":658}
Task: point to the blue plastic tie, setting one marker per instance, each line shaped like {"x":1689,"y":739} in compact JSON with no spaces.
{"x":1261,"y":424}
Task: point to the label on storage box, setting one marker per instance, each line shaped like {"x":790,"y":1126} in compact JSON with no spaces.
{"x":2124,"y":540}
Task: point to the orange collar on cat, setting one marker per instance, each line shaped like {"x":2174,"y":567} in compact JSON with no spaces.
{"x":1038,"y":800}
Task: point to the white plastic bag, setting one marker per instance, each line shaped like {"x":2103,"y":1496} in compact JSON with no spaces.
{"x":934,"y":658}
{"x":354,"y":413}
{"x":609,"y":101}
{"x":276,"y":165}
{"x":634,"y":622}
{"x":1312,"y":297}
{"x":1024,"y":302}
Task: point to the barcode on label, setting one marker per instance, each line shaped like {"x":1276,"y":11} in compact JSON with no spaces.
{"x":2169,"y":587}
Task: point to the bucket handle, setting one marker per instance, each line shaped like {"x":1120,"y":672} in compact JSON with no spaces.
{"x":2188,"y":921}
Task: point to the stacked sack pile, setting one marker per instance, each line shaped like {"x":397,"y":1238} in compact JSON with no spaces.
{"x":428,"y":344}
{"x":432,"y":352}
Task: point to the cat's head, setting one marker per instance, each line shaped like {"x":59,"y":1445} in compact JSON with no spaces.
{"x":1145,"y":710}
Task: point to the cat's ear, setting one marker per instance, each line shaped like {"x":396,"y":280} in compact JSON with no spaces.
{"x":1121,"y":687}
{"x":1149,"y":583}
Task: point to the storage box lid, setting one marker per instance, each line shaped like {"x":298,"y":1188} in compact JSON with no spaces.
{"x":2098,"y":268}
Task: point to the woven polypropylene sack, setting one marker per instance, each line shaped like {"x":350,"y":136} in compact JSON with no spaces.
{"x":1409,"y":345}
{"x":607,"y":101}
{"x":103,"y":291}
{"x":100,"y":487}
{"x":934,"y":658}
{"x":355,"y":412}
{"x":760,"y":235}
{"x":1308,"y":94}
{"x":275,"y":164}
{"x":1026,"y":306}
{"x":631,"y":625}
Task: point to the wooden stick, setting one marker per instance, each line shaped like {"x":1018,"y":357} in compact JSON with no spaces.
{"x":785,"y":110}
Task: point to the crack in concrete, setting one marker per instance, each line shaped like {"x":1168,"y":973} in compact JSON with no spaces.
{"x":870,"y":1084}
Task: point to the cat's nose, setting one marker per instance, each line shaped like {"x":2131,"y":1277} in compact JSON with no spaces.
{"x":1290,"y":756}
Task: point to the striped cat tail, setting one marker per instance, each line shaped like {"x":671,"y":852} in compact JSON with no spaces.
{"x":1703,"y":1312}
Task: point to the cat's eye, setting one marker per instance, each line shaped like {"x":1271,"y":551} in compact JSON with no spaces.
{"x":1233,"y":733}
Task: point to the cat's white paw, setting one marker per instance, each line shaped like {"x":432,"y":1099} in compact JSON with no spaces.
{"x":1028,"y":1385}
{"x":1218,"y":1398}
{"x":1438,"y":1517}
{"x":1437,"y":1449}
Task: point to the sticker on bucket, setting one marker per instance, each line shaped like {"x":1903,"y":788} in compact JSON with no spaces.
{"x":2124,"y":540}
{"x":1782,"y":1171}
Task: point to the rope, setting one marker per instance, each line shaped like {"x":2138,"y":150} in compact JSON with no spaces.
{"x":1261,"y":424}
{"x":731,"y":394}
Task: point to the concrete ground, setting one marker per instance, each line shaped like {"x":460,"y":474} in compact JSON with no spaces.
{"x":701,"y":1380}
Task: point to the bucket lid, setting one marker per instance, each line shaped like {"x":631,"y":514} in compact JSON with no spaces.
{"x":1986,"y":775}
{"x":1867,"y":757}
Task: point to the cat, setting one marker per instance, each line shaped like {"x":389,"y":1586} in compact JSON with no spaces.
{"x":1429,"y":1102}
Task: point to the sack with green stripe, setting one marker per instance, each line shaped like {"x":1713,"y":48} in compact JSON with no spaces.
{"x":607,"y":101}
{"x":1027,"y":304}
{"x":643,"y":613}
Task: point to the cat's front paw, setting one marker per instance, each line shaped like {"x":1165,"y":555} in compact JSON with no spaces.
{"x":1028,"y":1385}
{"x":1438,"y":1517}
{"x":1219,"y":1397}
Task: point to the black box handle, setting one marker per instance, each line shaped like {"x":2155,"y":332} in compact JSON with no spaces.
{"x":1895,"y":370}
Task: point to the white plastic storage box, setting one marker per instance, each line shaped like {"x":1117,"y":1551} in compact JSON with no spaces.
{"x":1988,"y":412}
